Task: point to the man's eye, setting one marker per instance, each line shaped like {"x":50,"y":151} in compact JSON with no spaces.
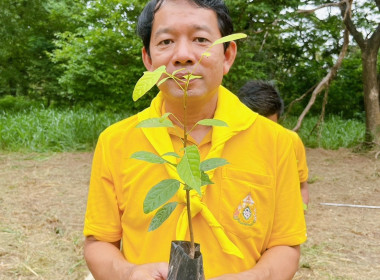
{"x":201,"y":40}
{"x":165,"y":42}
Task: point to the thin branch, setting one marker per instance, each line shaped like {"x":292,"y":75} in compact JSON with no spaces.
{"x":258,"y":31}
{"x":325,"y":83}
{"x":299,"y":99}
{"x":321,"y":7}
{"x":267,"y":33}
{"x":345,"y":6}
{"x":321,"y":119}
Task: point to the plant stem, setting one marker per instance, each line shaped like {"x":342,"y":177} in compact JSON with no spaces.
{"x":192,"y":246}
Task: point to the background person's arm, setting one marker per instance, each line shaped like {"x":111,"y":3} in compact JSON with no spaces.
{"x":305,"y":192}
{"x":277,"y":263}
{"x":105,"y":261}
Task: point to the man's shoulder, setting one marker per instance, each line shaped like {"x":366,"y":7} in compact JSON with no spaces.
{"x":295,"y":137}
{"x":120,"y":127}
{"x":269,"y":125}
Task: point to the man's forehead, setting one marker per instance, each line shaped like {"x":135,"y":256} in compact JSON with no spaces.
{"x":171,"y":29}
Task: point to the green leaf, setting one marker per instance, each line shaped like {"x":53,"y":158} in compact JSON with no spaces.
{"x":229,"y":38}
{"x":205,"y":179}
{"x":147,"y":81}
{"x":212,"y":122}
{"x":162,"y":214}
{"x":148,"y":156}
{"x":173,"y":154}
{"x":165,"y":116}
{"x":160,"y":194}
{"x":188,"y":168}
{"x":212,"y":163}
{"x":155,"y":122}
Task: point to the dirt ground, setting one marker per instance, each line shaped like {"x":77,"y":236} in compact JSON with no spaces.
{"x":42,"y":204}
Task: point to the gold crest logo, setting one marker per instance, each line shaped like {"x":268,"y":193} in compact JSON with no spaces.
{"x":245,"y":213}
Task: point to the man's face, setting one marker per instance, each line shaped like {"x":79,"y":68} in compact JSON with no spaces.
{"x":181,"y":32}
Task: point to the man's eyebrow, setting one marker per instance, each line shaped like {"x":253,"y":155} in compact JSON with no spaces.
{"x":169,"y":30}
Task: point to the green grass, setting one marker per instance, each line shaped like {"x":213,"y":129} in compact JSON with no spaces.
{"x":57,"y":130}
{"x":335,"y":132}
{"x":53,"y":130}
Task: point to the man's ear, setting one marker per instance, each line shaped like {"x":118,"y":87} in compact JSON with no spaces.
{"x":147,"y":60}
{"x":229,"y":57}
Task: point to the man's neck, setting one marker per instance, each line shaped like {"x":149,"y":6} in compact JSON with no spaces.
{"x":195,"y":111}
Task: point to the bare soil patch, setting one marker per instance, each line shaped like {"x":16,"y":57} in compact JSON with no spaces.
{"x":43,"y":200}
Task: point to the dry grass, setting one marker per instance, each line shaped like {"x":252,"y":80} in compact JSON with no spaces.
{"x":42,"y":207}
{"x":43,"y":197}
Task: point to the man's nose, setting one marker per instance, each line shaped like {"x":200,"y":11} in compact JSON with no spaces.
{"x":184,"y":53}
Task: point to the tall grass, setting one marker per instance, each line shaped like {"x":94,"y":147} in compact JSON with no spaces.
{"x":57,"y":130}
{"x":53,"y":130}
{"x":335,"y":132}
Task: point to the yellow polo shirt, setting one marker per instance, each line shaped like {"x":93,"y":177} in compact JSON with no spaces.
{"x":256,"y":198}
{"x":299,"y":149}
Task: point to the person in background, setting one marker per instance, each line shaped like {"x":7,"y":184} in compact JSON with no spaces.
{"x":250,"y":222}
{"x":263,"y":98}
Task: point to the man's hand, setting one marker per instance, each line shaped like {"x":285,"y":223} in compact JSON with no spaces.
{"x":150,"y":271}
{"x":105,"y":262}
{"x":278,"y":263}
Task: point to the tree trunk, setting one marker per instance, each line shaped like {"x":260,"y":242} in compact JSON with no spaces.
{"x":370,"y":48}
{"x":371,"y":95}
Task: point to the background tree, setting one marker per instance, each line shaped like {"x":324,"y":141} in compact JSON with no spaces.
{"x":369,"y":45}
{"x":27,"y":29}
{"x":101,"y":59}
{"x":354,"y":21}
{"x":78,"y":52}
{"x":292,"y":50}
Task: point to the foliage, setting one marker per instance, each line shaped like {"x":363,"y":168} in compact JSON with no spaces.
{"x":346,"y":91}
{"x":336,"y":132}
{"x":76,"y":52}
{"x":9,"y":103}
{"x":295,"y":51}
{"x":281,"y":42}
{"x":53,"y":130}
{"x":27,"y":29}
{"x":101,"y":59}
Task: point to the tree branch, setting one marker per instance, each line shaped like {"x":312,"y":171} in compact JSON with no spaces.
{"x":290,"y":106}
{"x":378,"y":4}
{"x":375,"y":38}
{"x":321,"y":7}
{"x":346,"y":14}
{"x":325,"y":83}
{"x":345,"y":7}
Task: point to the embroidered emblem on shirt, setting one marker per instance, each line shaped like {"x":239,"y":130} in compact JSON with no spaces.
{"x":245,"y":213}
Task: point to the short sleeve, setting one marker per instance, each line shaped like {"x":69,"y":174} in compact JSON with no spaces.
{"x":102,"y":219}
{"x":289,"y":227}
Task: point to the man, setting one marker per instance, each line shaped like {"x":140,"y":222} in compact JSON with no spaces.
{"x":263,"y":98}
{"x":254,"y":202}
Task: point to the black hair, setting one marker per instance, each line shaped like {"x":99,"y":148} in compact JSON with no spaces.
{"x":145,"y":21}
{"x":262,"y":97}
